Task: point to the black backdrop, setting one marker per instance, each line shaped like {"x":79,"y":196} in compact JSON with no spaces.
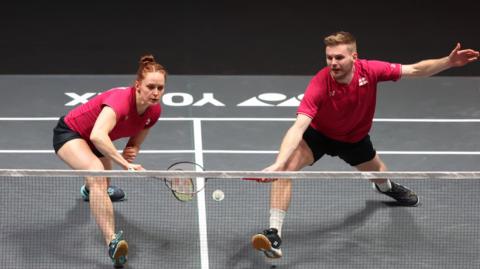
{"x":229,"y":37}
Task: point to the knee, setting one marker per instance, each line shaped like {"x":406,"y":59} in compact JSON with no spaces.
{"x":96,"y":165}
{"x":97,"y":183}
{"x":379,"y":164}
{"x":376,"y":164}
{"x":382,"y":167}
{"x":301,"y":157}
{"x":298,"y":161}
{"x":292,"y":165}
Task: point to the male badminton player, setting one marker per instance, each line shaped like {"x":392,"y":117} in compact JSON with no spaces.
{"x":83,"y":140}
{"x":335,"y":117}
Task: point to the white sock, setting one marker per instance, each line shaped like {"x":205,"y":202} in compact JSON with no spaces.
{"x":384,"y":187}
{"x":276,"y":219}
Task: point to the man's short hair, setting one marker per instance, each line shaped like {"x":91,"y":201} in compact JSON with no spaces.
{"x":340,"y":38}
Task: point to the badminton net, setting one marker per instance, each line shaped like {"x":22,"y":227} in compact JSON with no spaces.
{"x":335,"y":220}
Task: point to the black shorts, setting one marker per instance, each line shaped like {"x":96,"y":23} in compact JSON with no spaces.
{"x":62,"y":134}
{"x":352,"y":153}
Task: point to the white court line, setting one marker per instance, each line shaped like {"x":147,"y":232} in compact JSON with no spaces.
{"x":263,"y":119}
{"x":34,"y":151}
{"x":200,"y":151}
{"x":427,"y":120}
{"x":202,"y":211}
{"x":387,"y":152}
{"x":429,"y":152}
{"x":29,"y":119}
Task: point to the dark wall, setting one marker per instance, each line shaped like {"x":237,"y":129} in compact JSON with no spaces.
{"x":227,"y":37}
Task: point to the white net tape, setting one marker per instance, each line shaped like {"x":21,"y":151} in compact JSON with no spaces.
{"x":243,"y":174}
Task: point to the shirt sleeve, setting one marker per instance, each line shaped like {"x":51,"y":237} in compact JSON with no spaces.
{"x":119,"y":102}
{"x":311,"y":99}
{"x":385,"y":71}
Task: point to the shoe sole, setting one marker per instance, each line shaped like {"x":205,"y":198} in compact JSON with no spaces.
{"x":112,"y":200}
{"x":86,"y":198}
{"x":412,"y":205}
{"x":261,"y":243}
{"x":122,"y":250}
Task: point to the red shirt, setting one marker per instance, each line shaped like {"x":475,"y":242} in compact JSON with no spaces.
{"x":122,"y":100}
{"x":345,"y":112}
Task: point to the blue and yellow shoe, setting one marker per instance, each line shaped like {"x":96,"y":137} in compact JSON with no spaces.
{"x":118,"y":250}
{"x":116,"y":194}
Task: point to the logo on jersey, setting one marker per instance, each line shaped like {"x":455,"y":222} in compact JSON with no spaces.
{"x":148,"y":121}
{"x":362,"y":81}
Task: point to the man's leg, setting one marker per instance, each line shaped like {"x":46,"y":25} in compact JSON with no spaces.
{"x":281,"y":191}
{"x":375,"y":164}
{"x":403,"y":195}
{"x":280,"y":195}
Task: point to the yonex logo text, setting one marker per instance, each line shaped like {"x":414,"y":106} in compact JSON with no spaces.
{"x":182,"y":99}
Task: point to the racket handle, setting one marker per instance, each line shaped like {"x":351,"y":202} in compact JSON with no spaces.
{"x":131,"y":169}
{"x":252,"y":179}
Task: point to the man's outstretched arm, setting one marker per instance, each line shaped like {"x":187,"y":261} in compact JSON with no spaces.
{"x":431,"y":67}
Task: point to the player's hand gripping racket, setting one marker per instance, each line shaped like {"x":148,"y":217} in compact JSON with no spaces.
{"x":185,"y":188}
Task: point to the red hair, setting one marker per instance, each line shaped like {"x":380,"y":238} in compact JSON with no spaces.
{"x":148,"y":64}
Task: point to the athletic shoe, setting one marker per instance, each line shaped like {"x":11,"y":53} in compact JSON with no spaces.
{"x":116,"y":194}
{"x":269,"y":242}
{"x":402,"y":194}
{"x":118,"y":250}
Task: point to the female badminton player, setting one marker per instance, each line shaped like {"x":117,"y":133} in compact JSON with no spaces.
{"x":83,"y":140}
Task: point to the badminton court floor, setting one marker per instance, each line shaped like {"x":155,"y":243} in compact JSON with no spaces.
{"x":237,"y":123}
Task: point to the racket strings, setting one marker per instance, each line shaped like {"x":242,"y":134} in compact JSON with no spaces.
{"x":184,"y":188}
{"x":183,"y":185}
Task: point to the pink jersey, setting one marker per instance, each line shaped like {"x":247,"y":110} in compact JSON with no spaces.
{"x":345,"y":112}
{"x":122,"y":100}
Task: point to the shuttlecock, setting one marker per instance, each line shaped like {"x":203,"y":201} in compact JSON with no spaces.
{"x":218,"y":195}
